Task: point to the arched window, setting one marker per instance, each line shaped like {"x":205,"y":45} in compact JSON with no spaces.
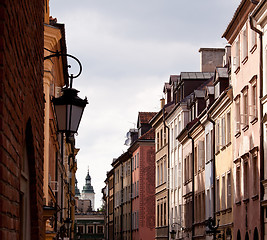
{"x":256,"y":234}
{"x":238,"y":235}
{"x":29,"y":227}
{"x":25,"y":206}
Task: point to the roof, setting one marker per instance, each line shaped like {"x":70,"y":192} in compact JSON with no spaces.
{"x":243,"y":9}
{"x":196,"y":75}
{"x":210,"y":89}
{"x":145,"y":117}
{"x":174,"y":78}
{"x":166,"y":87}
{"x":149,"y":135}
{"x":199,"y":93}
{"x":222,"y":72}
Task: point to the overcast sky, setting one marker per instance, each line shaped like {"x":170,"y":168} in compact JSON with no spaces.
{"x":128,"y":49}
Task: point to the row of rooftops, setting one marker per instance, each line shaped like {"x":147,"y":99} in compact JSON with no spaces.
{"x":187,"y":88}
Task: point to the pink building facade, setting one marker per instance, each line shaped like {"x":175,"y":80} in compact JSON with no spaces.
{"x":245,"y":75}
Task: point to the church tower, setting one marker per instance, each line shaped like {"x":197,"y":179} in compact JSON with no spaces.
{"x":88,"y":191}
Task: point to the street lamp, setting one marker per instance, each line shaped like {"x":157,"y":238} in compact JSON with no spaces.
{"x":69,"y":107}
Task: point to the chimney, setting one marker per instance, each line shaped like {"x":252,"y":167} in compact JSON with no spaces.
{"x":162,"y":103}
{"x":210,"y":58}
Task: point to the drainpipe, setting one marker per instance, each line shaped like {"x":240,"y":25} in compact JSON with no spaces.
{"x":261,"y":116}
{"x":168,"y":194}
{"x":214,"y":169}
{"x":121,"y":196}
{"x":113,"y":230}
{"x":193,"y":183}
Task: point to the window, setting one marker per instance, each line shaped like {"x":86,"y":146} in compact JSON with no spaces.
{"x":157,"y":141}
{"x":245,"y":107}
{"x":217,"y":136}
{"x":158,"y":174}
{"x":158,"y":215}
{"x":255,"y":172}
{"x":196,"y":158}
{"x":223,"y":138}
{"x":238,"y":183}
{"x":223,"y":192}
{"x":208,"y":203}
{"x":161,"y":138}
{"x":165,"y":171}
{"x":244,"y":44}
{"x":208,"y":147}
{"x":253,"y":40}
{"x":237,"y":114}
{"x":80,"y":229}
{"x":245,"y":178}
{"x":253,"y":106}
{"x":228,"y":127}
{"x":137,"y":160}
{"x":203,"y":206}
{"x":201,"y":154}
{"x":190,"y":158}
{"x":161,"y":173}
{"x":217,"y":194}
{"x":165,"y":214}
{"x":90,"y":229}
{"x":137,"y":188}
{"x":132,"y":164}
{"x":164,"y":136}
{"x":229,"y":190}
{"x":185,"y":169}
{"x":236,"y":60}
{"x":100,"y":229}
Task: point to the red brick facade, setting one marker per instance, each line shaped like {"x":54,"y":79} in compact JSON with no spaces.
{"x":21,"y":113}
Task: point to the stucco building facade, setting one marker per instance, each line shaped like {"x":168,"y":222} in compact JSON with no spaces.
{"x":245,"y":78}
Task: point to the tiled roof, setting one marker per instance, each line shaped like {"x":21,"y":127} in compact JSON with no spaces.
{"x":145,"y":117}
{"x":149,"y":135}
{"x":196,"y":75}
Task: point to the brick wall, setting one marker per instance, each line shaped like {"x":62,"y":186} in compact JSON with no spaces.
{"x":21,"y":111}
{"x":147,"y":192}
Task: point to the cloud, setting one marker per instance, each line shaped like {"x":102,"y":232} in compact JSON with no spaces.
{"x":128,"y":49}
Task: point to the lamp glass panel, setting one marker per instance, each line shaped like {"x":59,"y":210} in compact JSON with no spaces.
{"x":76,"y":115}
{"x":61,"y":116}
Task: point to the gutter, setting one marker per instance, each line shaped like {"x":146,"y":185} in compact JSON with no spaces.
{"x":261,"y":117}
{"x":214,"y":169}
{"x":168,"y":159}
{"x":193,"y":183}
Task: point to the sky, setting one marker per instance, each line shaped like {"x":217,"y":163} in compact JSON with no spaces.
{"x":128,"y":50}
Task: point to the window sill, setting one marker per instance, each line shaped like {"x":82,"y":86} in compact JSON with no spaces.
{"x":244,"y":129}
{"x":254,"y":121}
{"x":218,"y":213}
{"x":223,"y":212}
{"x":224,"y":147}
{"x":253,"y":49}
{"x":217,"y":152}
{"x":245,"y":200}
{"x":255,"y":197}
{"x":229,"y":209}
{"x":238,"y":134}
{"x":228,"y":144}
{"x":237,"y":70}
{"x":244,"y":60}
{"x":238,"y":203}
